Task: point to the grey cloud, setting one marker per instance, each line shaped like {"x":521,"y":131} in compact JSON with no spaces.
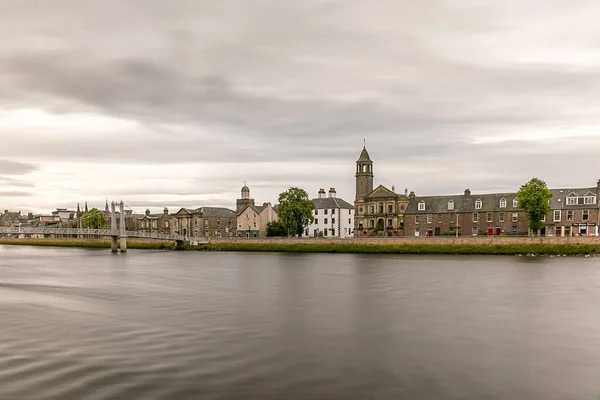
{"x":15,"y":194}
{"x":8,"y":167}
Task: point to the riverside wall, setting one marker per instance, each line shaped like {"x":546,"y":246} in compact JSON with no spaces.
{"x":438,"y":240}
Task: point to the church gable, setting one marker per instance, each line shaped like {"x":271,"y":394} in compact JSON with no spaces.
{"x":381,"y":192}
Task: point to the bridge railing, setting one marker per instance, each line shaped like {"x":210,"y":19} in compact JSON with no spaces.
{"x":87,"y":232}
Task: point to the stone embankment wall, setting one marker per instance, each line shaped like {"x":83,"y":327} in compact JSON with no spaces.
{"x":438,"y":240}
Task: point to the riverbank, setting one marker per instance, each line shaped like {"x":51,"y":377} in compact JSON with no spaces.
{"x":468,"y":245}
{"x":414,"y":248}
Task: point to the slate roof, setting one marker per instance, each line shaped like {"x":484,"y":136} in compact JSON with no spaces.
{"x":217,"y":212}
{"x":491,"y":202}
{"x":331,"y":202}
{"x":364,"y":156}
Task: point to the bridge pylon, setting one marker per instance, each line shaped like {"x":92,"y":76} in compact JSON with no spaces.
{"x":113,"y":228}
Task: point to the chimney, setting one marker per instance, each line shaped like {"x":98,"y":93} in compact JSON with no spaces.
{"x":30,"y":216}
{"x":321,"y":193}
{"x":467,"y":193}
{"x":166,"y":211}
{"x":411,"y":195}
{"x":147,"y":211}
{"x":332,"y":192}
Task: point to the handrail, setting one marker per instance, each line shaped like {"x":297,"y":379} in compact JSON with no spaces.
{"x":95,"y":232}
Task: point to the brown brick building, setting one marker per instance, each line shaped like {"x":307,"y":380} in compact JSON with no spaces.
{"x":215,"y":222}
{"x":382,"y":212}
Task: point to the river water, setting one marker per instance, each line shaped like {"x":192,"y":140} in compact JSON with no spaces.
{"x":88,"y":324}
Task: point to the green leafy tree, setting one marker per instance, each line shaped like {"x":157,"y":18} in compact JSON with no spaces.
{"x":295,"y":211}
{"x":93,"y":219}
{"x":534,"y":198}
{"x":275,"y":229}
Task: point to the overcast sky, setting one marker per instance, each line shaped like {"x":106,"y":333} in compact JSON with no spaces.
{"x":177,"y":103}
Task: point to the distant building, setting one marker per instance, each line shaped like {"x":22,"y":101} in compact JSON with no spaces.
{"x":252,"y":220}
{"x":382,"y":212}
{"x":210,"y":222}
{"x":148,"y":222}
{"x":333,"y":217}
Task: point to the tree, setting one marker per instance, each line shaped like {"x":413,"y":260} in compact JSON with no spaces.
{"x":534,"y":198}
{"x":295,"y":211}
{"x":275,"y":229}
{"x":93,"y":219}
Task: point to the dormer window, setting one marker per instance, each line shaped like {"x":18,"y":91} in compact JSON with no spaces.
{"x":478,"y":204}
{"x":503,"y":203}
{"x":451,"y":205}
{"x":590,"y":200}
{"x":421,"y":205}
{"x":515,"y":203}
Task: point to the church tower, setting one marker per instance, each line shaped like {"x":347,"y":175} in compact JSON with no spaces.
{"x":245,"y":200}
{"x":364,"y":175}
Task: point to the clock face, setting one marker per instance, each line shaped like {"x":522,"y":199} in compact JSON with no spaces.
{"x":402,"y":207}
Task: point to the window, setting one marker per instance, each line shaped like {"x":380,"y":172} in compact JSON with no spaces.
{"x":515,"y":217}
{"x":349,"y":221}
{"x":515,"y":203}
{"x":380,"y":208}
{"x":325,"y":221}
{"x":349,"y":211}
{"x":325,"y":232}
{"x":371,"y":210}
{"x":475,"y":231}
{"x":543,"y":219}
{"x":452,"y":218}
{"x":490,"y":217}
{"x":571,"y":201}
{"x":515,"y":229}
{"x":390,"y":209}
{"x":558,"y":231}
{"x":585,"y":214}
{"x":478,"y":204}
{"x":590,"y":200}
{"x":372,"y":223}
{"x":166,"y":224}
{"x":557,"y":216}
{"x":332,"y":211}
{"x":255,"y":224}
{"x":219,"y":223}
{"x":501,"y":217}
{"x":316,"y":221}
{"x":439,"y":218}
{"x":567,"y":231}
{"x":325,"y":211}
{"x":475,"y":217}
{"x":389,"y":223}
{"x":421,"y":205}
{"x":316,"y":212}
{"x":451,"y":205}
{"x":333,"y":220}
{"x":416,"y":219}
{"x":503,"y":203}
{"x":569,"y":215}
{"x":429,"y":218}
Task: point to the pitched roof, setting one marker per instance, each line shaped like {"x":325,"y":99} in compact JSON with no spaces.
{"x":559,"y":198}
{"x":364,"y":156}
{"x":218,"y":212}
{"x":331,"y":202}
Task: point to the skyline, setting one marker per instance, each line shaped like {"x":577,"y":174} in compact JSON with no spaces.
{"x":177,"y":105}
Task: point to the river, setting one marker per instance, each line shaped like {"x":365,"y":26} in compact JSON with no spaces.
{"x":88,"y":324}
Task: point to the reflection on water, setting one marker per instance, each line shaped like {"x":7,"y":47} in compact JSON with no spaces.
{"x":80,"y":324}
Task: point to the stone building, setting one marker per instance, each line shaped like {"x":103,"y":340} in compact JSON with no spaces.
{"x":252,"y":220}
{"x":148,"y":222}
{"x":382,"y":212}
{"x":210,"y":222}
{"x":378,"y":211}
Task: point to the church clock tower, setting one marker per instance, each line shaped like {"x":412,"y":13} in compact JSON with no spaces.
{"x":364,"y":175}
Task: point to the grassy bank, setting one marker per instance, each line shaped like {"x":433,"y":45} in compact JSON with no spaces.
{"x":497,"y":249}
{"x":87,"y":243}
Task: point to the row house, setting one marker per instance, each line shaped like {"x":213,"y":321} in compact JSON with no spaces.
{"x":333,"y":217}
{"x":210,"y":222}
{"x":382,"y":212}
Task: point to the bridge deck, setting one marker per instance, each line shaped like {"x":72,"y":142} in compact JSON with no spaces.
{"x":96,"y":232}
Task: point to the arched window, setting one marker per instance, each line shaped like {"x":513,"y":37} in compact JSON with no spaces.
{"x":421,"y":205}
{"x":451,"y":205}
{"x":478,"y":204}
{"x":515,"y":203}
{"x":503,"y":203}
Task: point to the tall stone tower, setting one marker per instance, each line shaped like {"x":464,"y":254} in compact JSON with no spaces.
{"x":364,"y":175}
{"x":245,"y":200}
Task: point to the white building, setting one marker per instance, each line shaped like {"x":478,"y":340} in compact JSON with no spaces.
{"x":333,"y":217}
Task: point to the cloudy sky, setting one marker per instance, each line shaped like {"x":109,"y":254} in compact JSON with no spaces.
{"x":177,"y":103}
